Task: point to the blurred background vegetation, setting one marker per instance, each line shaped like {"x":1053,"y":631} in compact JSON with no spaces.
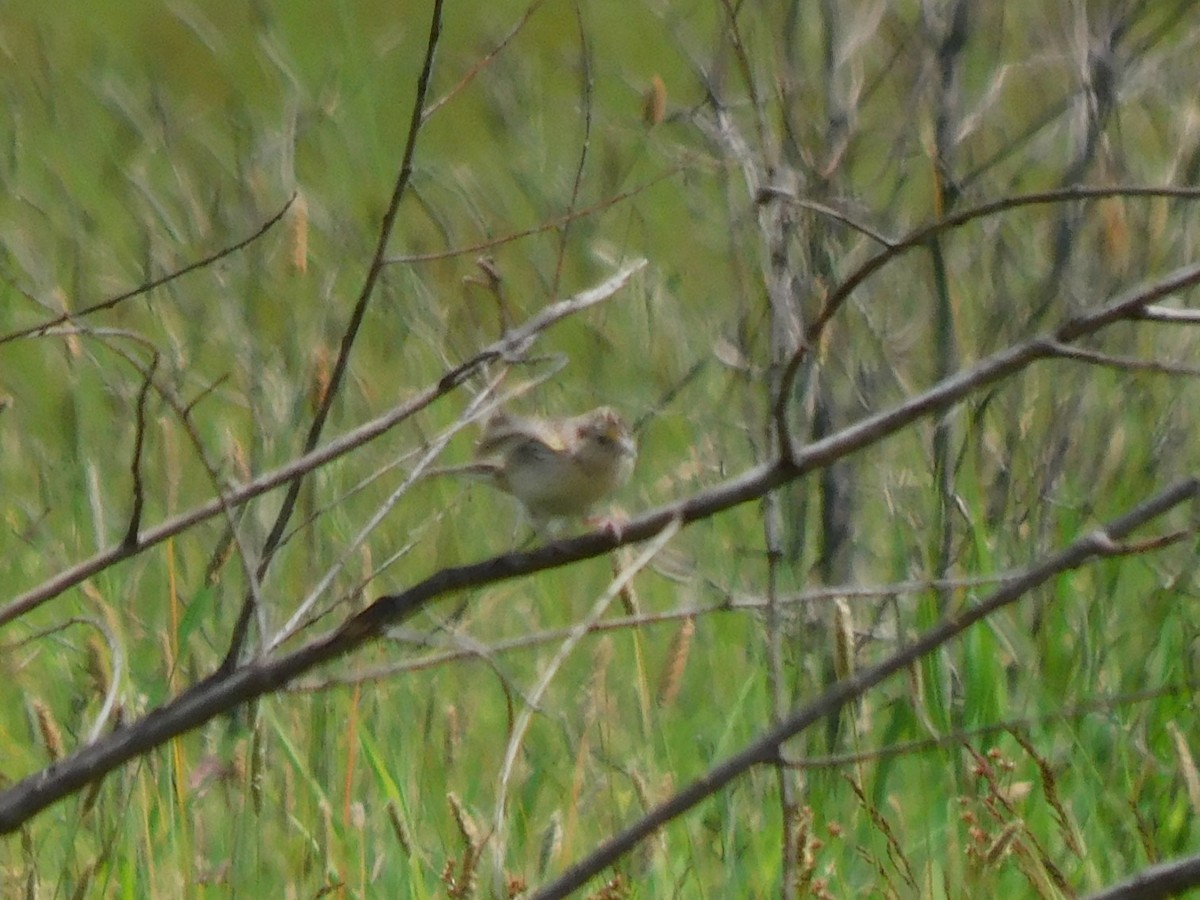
{"x":574,"y":138}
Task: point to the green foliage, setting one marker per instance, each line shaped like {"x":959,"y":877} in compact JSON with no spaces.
{"x":1049,"y":751}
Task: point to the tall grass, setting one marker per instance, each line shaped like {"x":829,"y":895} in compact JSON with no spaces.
{"x":757,"y":156}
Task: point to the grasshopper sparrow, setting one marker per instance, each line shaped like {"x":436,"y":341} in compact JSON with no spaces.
{"x":556,"y":468}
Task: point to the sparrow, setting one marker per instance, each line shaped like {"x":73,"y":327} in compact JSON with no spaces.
{"x":555,"y":468}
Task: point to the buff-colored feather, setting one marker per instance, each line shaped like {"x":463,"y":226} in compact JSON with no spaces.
{"x":556,"y":468}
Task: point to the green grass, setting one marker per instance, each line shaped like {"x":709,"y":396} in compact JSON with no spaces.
{"x":144,"y":137}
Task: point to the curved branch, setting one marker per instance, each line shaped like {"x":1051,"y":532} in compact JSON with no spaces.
{"x":224,"y":691}
{"x":508,"y":346}
{"x":766,"y":749}
{"x":918,"y":237}
{"x":241,"y":627}
{"x":148,"y":286}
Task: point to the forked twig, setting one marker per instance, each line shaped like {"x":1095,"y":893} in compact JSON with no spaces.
{"x":241,"y":627}
{"x":226,"y":691}
{"x":135,"y":466}
{"x":921,"y":235}
{"x":507,"y":347}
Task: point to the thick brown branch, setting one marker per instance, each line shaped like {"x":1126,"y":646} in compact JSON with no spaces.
{"x":511,"y":344}
{"x":223,"y":692}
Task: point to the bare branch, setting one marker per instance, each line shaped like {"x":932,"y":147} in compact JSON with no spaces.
{"x":919,"y":236}
{"x":148,"y":286}
{"x":767,"y":748}
{"x":507,"y":347}
{"x":1167,"y":879}
{"x":139,"y":439}
{"x":954,"y":738}
{"x":333,"y":388}
{"x":1171,"y":315}
{"x":226,"y":690}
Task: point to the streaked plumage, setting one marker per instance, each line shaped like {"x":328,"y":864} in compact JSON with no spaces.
{"x":556,"y":468}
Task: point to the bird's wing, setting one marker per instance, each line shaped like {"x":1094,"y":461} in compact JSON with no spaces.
{"x":483,"y":469}
{"x":503,"y":432}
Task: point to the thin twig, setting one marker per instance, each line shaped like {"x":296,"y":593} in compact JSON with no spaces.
{"x":919,"y":236}
{"x":1171,"y":315}
{"x":636,"y":621}
{"x":586,"y":90}
{"x":225,"y":691}
{"x":1095,"y":357}
{"x":766,"y":749}
{"x":484,"y":61}
{"x":509,"y":346}
{"x":576,"y":634}
{"x":540,"y":228}
{"x":148,"y":286}
{"x":135,"y":466}
{"x":337,"y":375}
